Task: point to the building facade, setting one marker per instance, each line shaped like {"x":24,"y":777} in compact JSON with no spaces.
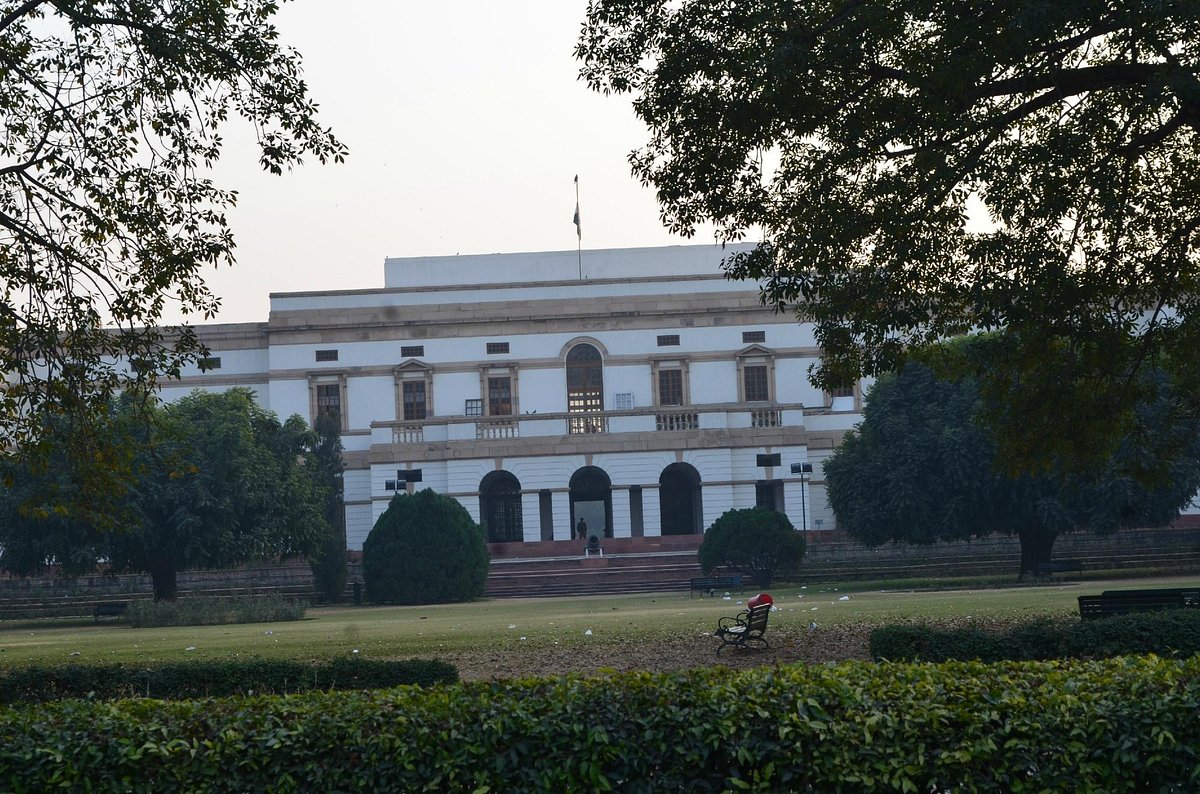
{"x":635,"y":391}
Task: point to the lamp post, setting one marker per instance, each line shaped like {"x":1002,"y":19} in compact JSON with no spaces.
{"x":802,"y":469}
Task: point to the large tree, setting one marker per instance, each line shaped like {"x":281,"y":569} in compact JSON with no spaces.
{"x":921,"y":468}
{"x":328,"y":561}
{"x":218,"y":481}
{"x":112,"y":114}
{"x":917,"y":169}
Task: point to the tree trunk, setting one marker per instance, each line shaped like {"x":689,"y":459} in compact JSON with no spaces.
{"x":1035,"y":548}
{"x":162,"y":574}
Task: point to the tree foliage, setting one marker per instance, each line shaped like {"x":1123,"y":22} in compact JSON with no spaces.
{"x":218,"y":481}
{"x":758,"y":542}
{"x":921,"y":468}
{"x":918,"y":169}
{"x":328,"y":561}
{"x":424,"y":549}
{"x":112,"y":114}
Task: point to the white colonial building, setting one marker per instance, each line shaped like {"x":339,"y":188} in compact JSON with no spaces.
{"x":636,"y":390}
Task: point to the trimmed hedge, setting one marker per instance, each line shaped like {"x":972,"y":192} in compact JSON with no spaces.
{"x":214,"y":611}
{"x":1116,"y":725}
{"x":176,"y":680}
{"x":1168,"y":633}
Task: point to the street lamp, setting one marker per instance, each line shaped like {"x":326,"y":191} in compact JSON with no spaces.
{"x":803,"y":469}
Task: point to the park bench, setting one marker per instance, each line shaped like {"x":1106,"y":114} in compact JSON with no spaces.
{"x":111,"y":609}
{"x":1124,"y":602}
{"x":746,"y":630}
{"x":710,"y":584}
{"x":1057,"y":566}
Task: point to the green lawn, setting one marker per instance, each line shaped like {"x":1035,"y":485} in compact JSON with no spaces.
{"x":522,"y":623}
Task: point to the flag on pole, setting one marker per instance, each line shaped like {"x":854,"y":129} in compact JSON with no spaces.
{"x":578,"y":228}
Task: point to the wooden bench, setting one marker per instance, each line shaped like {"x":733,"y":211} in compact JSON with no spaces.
{"x":1057,"y":566}
{"x":111,"y":609}
{"x":1124,"y":602}
{"x":746,"y":630}
{"x":709,"y":584}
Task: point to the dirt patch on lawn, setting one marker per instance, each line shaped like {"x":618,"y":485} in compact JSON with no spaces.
{"x":832,"y":644}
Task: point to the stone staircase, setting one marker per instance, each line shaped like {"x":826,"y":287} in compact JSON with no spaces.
{"x":612,"y":574}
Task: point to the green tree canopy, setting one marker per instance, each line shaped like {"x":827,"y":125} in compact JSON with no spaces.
{"x":425,"y":549}
{"x":918,"y":169}
{"x":756,"y":541}
{"x":112,"y":114}
{"x":329,"y":560}
{"x":921,"y":468}
{"x":218,"y":481}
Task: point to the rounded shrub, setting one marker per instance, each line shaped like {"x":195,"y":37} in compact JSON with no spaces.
{"x":424,"y":549}
{"x":756,"y":541}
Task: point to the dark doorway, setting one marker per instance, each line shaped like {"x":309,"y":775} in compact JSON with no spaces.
{"x":500,"y":508}
{"x":769,"y":494}
{"x":680,"y":503}
{"x":591,"y":501}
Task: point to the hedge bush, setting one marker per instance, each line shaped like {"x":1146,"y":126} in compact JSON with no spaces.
{"x":758,"y":542}
{"x":424,"y":549}
{"x":1116,"y":725}
{"x":1169,"y":633}
{"x":214,"y":611}
{"x":176,"y":680}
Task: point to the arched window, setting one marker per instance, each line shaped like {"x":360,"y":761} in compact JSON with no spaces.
{"x":681,"y":506}
{"x":500,"y":508}
{"x":585,"y":388}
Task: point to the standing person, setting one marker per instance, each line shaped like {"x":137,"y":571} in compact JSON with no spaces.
{"x":581,"y":529}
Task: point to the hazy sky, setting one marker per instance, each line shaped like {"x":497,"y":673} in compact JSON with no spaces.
{"x":466,"y":125}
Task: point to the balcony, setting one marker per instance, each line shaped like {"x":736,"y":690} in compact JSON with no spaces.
{"x":646,"y":421}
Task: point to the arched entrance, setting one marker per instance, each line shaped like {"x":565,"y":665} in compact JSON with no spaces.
{"x":680,"y":502}
{"x":591,"y":501}
{"x":500,"y":508}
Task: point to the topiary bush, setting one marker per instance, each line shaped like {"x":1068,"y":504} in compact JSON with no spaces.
{"x":424,"y":549}
{"x":756,"y":541}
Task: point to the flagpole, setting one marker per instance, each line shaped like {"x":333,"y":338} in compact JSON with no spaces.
{"x":578,"y":230}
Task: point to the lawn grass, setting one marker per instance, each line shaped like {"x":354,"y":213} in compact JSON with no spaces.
{"x":532,"y":623}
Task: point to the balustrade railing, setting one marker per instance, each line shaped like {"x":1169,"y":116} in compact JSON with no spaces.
{"x":408,"y":434}
{"x":497,"y":428}
{"x":684,"y":420}
{"x":765,"y":417}
{"x":587,"y":423}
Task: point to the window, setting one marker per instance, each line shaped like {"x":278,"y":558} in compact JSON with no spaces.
{"x":497,"y":348}
{"x":499,"y":399}
{"x":585,"y":389}
{"x":668,"y":340}
{"x":753,"y":337}
{"x":209,"y":363}
{"x":756,"y":384}
{"x":670,"y":387}
{"x":623,"y":401}
{"x":327,"y":355}
{"x":414,"y":400}
{"x":473,"y":408}
{"x":412,"y":351}
{"x":842,"y":391}
{"x":329,"y":398}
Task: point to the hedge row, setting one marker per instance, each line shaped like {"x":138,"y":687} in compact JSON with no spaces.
{"x":1172,"y":633}
{"x":1116,"y":725}
{"x":175,"y":680}
{"x":206,"y":611}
